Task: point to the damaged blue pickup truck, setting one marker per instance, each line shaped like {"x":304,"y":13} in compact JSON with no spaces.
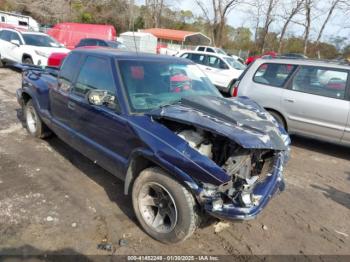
{"x":158,"y":123}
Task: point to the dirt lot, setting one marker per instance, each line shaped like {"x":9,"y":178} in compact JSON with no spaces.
{"x":54,"y":199}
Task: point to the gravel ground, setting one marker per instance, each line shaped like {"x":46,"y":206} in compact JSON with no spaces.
{"x":53,"y":199}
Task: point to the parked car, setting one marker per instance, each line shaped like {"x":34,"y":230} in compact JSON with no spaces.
{"x":158,"y":123}
{"x":251,"y":59}
{"x":70,"y":34}
{"x":100,"y":42}
{"x":222,"y":70}
{"x":310,"y":98}
{"x":27,"y":47}
{"x":239,"y":59}
{"x":56,"y":59}
{"x":210,"y":49}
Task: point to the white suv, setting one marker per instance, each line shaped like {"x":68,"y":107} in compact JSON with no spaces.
{"x":222,"y":70}
{"x":27,"y":47}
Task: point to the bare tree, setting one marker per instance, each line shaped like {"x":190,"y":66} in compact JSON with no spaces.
{"x":219,"y":10}
{"x":307,"y":5}
{"x":267,"y":22}
{"x":333,"y":6}
{"x":155,"y":8}
{"x":288,"y":16}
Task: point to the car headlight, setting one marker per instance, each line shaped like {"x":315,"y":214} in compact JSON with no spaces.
{"x":41,"y":53}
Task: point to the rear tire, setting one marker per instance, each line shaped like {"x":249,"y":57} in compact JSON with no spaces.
{"x":279,"y":119}
{"x":34,"y":125}
{"x":165,"y":209}
{"x":28,"y":61}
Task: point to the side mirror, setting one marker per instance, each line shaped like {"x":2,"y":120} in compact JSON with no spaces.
{"x":100,"y":97}
{"x":15,"y":42}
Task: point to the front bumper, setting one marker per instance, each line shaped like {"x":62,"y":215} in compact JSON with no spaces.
{"x":265,"y":189}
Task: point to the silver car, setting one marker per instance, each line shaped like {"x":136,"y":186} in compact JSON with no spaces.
{"x":310,"y":98}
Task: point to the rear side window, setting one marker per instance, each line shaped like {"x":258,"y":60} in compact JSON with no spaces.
{"x":320,"y":81}
{"x":69,"y":66}
{"x":273,"y":74}
{"x":198,"y":58}
{"x":201,"y":48}
{"x":95,"y":74}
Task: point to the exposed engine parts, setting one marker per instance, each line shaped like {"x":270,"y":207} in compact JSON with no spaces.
{"x":244,"y":166}
{"x":197,"y":141}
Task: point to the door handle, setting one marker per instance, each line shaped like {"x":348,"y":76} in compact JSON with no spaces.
{"x":289,"y":100}
{"x":208,"y":68}
{"x":71,"y":105}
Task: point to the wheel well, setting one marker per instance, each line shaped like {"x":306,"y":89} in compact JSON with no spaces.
{"x":26,"y":98}
{"x":136,"y":165}
{"x":26,"y":56}
{"x":278,"y":113}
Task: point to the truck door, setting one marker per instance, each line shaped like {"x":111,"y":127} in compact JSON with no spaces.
{"x":59,"y":94}
{"x":100,"y":131}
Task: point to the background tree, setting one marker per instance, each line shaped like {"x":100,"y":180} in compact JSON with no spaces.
{"x":290,"y":10}
{"x":216,"y":13}
{"x":332,"y":7}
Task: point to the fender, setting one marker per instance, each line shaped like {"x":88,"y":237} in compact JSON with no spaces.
{"x":142,"y":158}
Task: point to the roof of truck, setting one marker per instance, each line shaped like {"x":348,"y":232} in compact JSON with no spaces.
{"x":119,"y":54}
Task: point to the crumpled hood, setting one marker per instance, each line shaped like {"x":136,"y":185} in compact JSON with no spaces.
{"x":239,"y":119}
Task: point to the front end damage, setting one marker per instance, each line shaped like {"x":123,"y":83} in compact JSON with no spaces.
{"x":255,"y":175}
{"x":253,"y":168}
{"x":244,"y":198}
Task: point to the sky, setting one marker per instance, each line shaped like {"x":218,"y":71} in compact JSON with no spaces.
{"x":240,"y":17}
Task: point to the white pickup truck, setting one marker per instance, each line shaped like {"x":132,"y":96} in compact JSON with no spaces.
{"x":27,"y":47}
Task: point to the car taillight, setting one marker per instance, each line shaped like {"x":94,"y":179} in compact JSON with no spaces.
{"x":234,"y":90}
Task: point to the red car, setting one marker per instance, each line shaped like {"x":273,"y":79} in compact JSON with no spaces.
{"x":56,"y":59}
{"x":251,"y":59}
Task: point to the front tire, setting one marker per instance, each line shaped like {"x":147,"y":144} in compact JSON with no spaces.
{"x":165,"y":209}
{"x":34,"y":125}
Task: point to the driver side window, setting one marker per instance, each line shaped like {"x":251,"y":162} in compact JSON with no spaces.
{"x":94,"y":74}
{"x":15,"y":36}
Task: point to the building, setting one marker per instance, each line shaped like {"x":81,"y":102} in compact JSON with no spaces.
{"x":174,"y":40}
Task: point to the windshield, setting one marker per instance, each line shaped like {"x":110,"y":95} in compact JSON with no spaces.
{"x":150,"y":85}
{"x":40,"y":40}
{"x":233,"y":63}
{"x":116,"y":44}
